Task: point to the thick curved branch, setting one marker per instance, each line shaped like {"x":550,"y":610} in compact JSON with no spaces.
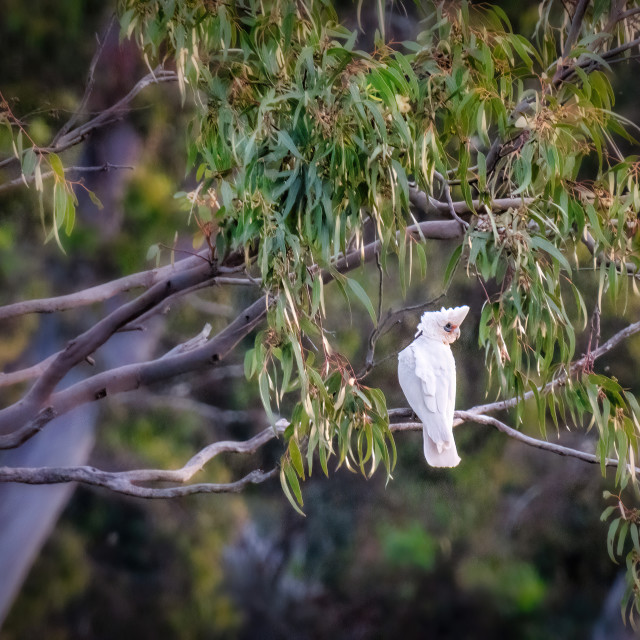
{"x":24,"y":419}
{"x":128,"y":482}
{"x":99,"y":293}
{"x":84,"y":345}
{"x":130,"y":377}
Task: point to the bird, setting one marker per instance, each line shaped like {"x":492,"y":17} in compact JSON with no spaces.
{"x":427,"y":376}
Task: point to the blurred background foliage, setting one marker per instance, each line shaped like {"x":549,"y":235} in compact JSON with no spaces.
{"x":508,"y":545}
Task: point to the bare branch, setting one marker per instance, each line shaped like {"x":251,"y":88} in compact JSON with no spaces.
{"x":16,"y":377}
{"x":99,"y":293}
{"x":590,"y":65}
{"x":85,"y":344}
{"x":472,"y":416}
{"x":111,"y":114}
{"x":558,"y":449}
{"x":133,"y":376}
{"x":450,"y":205}
{"x":627,"y":14}
{"x":113,"y":481}
{"x":90,"y":84}
{"x":429,"y":205}
{"x":107,"y":166}
{"x":128,"y":482}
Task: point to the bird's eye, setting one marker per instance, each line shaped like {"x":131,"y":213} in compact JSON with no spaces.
{"x":447,"y":327}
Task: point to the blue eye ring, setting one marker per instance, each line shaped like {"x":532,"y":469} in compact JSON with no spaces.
{"x":447,"y":327}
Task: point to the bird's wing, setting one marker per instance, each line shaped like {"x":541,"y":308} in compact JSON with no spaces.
{"x":438,"y":377}
{"x":429,"y":385}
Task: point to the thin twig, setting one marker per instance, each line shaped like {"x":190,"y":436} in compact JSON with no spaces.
{"x":107,"y":166}
{"x":111,"y":114}
{"x":391,"y":319}
{"x":558,"y":449}
{"x":450,"y":205}
{"x":89,"y":86}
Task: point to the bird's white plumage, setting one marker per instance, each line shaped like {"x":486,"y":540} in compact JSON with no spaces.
{"x":427,"y":375}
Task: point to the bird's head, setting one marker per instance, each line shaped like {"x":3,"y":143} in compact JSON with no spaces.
{"x":443,"y":325}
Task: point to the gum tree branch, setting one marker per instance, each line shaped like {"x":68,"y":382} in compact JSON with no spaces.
{"x":99,"y":293}
{"x":128,"y":482}
{"x":85,"y":344}
{"x":16,"y":182}
{"x":430,"y":205}
{"x":471,"y":416}
{"x":27,"y":417}
{"x":111,"y":114}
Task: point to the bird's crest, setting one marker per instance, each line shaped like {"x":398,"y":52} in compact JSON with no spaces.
{"x":431,"y":321}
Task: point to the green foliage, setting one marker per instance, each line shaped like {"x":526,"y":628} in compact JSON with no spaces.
{"x":307,"y":142}
{"x":621,"y":535}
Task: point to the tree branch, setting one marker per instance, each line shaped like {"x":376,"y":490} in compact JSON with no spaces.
{"x":472,"y":416}
{"x":449,"y":201}
{"x":99,"y":293}
{"x":128,"y":482}
{"x":576,"y":25}
{"x":509,"y":403}
{"x":107,"y":166}
{"x":27,"y":417}
{"x":111,"y":114}
{"x":85,"y":344}
{"x":429,"y":205}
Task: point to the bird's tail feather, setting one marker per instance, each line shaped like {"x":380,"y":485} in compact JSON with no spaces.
{"x":444,"y":455}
